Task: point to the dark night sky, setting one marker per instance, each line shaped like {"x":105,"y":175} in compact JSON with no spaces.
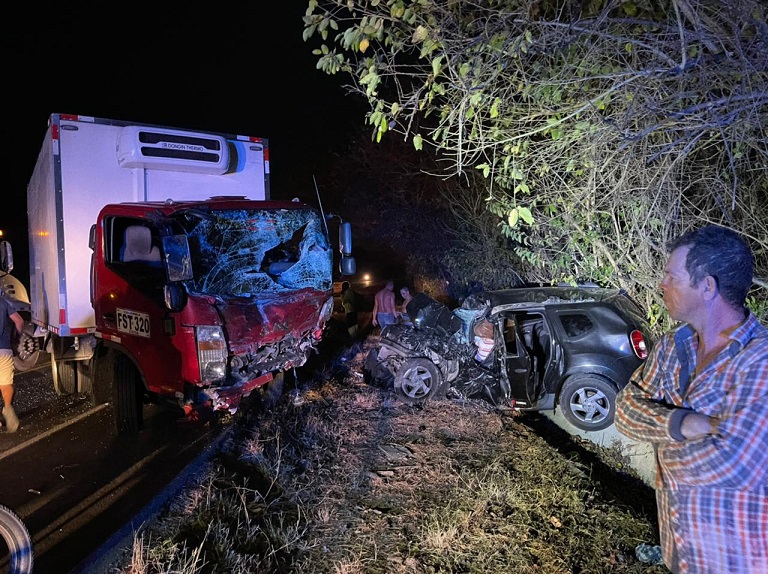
{"x":235,"y":67}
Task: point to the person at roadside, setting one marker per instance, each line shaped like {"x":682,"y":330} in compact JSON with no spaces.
{"x":405,"y":293}
{"x":10,"y":319}
{"x":385,"y":307}
{"x":702,"y":399}
{"x":483,"y":339}
{"x":349,"y":302}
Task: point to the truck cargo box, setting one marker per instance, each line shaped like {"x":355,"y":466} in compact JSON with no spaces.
{"x":86,"y":163}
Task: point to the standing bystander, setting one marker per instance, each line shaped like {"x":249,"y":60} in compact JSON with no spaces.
{"x":349,"y":302}
{"x":384,"y":306}
{"x":8,"y":317}
{"x":702,"y":399}
{"x":405,"y":293}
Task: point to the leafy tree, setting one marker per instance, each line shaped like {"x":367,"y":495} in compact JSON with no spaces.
{"x":603,"y":128}
{"x":436,"y":227}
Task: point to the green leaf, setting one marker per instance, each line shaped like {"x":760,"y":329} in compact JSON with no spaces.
{"x":525,"y":215}
{"x":513,"y":216}
{"x":495,"y":108}
{"x":417,"y":142}
{"x":436,"y":65}
{"x":522,"y":187}
{"x":420,"y":34}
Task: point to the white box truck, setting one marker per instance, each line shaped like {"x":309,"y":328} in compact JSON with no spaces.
{"x":160,"y":270}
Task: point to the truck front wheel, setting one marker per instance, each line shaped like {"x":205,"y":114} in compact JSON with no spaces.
{"x":128,"y":406}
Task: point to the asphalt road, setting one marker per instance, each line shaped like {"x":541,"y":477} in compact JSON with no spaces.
{"x":75,"y":483}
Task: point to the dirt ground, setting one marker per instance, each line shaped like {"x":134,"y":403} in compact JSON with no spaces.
{"x":340,"y":477}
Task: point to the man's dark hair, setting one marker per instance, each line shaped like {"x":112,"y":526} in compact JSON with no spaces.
{"x":345,"y":285}
{"x":723,"y":254}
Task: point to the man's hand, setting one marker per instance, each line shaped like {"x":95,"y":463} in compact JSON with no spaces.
{"x":695,"y":425}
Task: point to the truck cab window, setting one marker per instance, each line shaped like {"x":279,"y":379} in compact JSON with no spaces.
{"x":137,"y":246}
{"x":132,"y":249}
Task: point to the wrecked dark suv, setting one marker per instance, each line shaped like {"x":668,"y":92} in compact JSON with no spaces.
{"x":529,"y":348}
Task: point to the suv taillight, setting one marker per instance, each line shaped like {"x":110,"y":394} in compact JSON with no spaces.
{"x":638,"y":344}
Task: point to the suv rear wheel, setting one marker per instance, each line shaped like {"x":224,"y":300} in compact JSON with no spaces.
{"x":588,"y":402}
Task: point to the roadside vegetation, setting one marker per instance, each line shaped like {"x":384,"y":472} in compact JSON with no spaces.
{"x":587,"y":134}
{"x":340,"y":478}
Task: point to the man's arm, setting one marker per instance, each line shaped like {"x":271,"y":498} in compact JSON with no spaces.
{"x":643,"y":411}
{"x":18,"y":321}
{"x":735,"y":455}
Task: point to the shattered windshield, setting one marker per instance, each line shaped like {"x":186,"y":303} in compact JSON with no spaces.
{"x":248,"y":252}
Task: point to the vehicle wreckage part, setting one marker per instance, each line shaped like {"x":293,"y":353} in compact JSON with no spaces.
{"x":374,"y":371}
{"x":273,"y":390}
{"x":417,"y":380}
{"x":588,"y":402}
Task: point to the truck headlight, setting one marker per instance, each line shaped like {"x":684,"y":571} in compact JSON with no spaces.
{"x":211,"y":353}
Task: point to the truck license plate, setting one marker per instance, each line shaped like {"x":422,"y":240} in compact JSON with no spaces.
{"x":133,"y":322}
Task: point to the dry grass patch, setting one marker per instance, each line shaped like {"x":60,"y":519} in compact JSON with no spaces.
{"x":347,"y":480}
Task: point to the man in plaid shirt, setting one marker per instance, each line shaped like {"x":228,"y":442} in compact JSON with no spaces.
{"x":702,"y":399}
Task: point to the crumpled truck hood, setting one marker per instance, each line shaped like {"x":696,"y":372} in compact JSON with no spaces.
{"x":251,"y":322}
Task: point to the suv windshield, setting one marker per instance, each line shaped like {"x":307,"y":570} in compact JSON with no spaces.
{"x":246,"y":252}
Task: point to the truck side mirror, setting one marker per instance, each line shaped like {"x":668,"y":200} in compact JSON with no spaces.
{"x":348,"y":265}
{"x":345,"y":238}
{"x":178,"y":259}
{"x":175,"y":297}
{"x":6,"y":257}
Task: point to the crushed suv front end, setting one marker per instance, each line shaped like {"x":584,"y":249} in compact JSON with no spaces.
{"x":571,"y":348}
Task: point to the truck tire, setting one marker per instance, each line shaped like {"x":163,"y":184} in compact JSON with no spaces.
{"x":417,"y":380}
{"x":85,"y":375}
{"x":64,"y":377}
{"x":588,"y":402}
{"x":103,"y":378}
{"x":27,"y":350}
{"x":128,"y":406}
{"x":26,"y":361}
{"x":16,"y":536}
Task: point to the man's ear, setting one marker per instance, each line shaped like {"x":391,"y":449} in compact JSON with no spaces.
{"x":709,"y":287}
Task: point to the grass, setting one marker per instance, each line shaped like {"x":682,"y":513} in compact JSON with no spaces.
{"x":350,"y":481}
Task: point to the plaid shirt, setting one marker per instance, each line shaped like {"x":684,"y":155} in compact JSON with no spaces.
{"x":712,"y":491}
